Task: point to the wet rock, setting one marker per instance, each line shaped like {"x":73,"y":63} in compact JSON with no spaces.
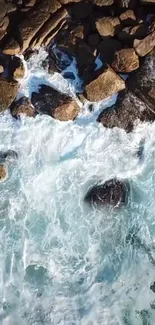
{"x":144,"y":46}
{"x":107,"y":26}
{"x":3,"y":172}
{"x":93,"y":40}
{"x":106,"y":83}
{"x":59,"y":106}
{"x":8,"y":92}
{"x":84,"y":54}
{"x":22,"y":107}
{"x":126,"y":60}
{"x":142,"y":82}
{"x":8,"y":155}
{"x":126,"y":113}
{"x":129,"y":34}
{"x":113,"y":192}
{"x":16,"y":68}
{"x":152,"y":287}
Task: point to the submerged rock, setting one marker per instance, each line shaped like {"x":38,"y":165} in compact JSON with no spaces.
{"x":113,"y":192}
{"x":60,"y":106}
{"x":8,"y":155}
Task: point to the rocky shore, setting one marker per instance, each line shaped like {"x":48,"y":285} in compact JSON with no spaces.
{"x":119,"y":33}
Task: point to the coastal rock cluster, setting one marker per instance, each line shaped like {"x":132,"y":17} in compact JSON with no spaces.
{"x":118,"y":33}
{"x":121,"y":33}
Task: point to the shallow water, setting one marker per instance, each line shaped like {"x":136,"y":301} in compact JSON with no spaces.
{"x":62,"y":262}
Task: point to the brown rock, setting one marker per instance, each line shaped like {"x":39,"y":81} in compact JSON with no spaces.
{"x":103,"y":2}
{"x":3,"y":172}
{"x":107,"y":26}
{"x":10,"y":7}
{"x":52,"y":25}
{"x":29,"y":3}
{"x":22,"y":107}
{"x":19,"y":72}
{"x":104,"y":85}
{"x":50,"y":101}
{"x":11,"y":47}
{"x":144,"y":46}
{"x":1,"y":69}
{"x":3,"y":9}
{"x":8,"y":92}
{"x":4,"y":23}
{"x":126,"y":60}
{"x":64,"y":2}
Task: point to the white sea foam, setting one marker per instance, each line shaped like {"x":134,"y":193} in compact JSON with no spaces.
{"x":62,"y":262}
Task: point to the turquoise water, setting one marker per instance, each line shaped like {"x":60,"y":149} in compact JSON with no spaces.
{"x":62,"y":262}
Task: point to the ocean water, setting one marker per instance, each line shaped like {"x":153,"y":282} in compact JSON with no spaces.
{"x":61,"y":261}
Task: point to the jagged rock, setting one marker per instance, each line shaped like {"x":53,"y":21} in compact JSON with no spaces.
{"x":107,"y":48}
{"x":105,"y":84}
{"x":103,"y":2}
{"x":126,"y":60}
{"x":50,"y":28}
{"x":59,"y":106}
{"x":3,"y":172}
{"x":113,"y":192}
{"x":107,"y":26}
{"x":22,"y":107}
{"x":8,"y":92}
{"x":126,"y":113}
{"x":127,"y":18}
{"x":4,"y":23}
{"x":144,"y":46}
{"x":29,"y":27}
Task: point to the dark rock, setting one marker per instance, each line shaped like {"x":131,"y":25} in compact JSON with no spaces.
{"x":126,"y":113}
{"x":59,"y":106}
{"x":142,"y":82}
{"x":8,"y":155}
{"x":129,"y":34}
{"x":16,"y":68}
{"x":107,"y":48}
{"x":126,"y":60}
{"x":113,"y":192}
{"x":22,"y":107}
{"x":81,"y":10}
{"x":93,"y":40}
{"x":152,"y":287}
{"x":128,"y":18}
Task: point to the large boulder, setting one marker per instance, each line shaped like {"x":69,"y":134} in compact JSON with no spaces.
{"x":113,"y":192}
{"x":126,"y":113}
{"x":144,"y":46}
{"x":59,"y":106}
{"x":8,"y":92}
{"x":107,"y":26}
{"x":105,"y":84}
{"x":126,"y":60}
